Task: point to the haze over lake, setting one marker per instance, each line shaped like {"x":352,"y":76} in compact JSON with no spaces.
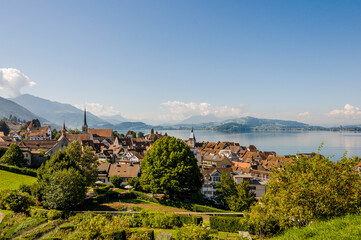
{"x":283,"y":142}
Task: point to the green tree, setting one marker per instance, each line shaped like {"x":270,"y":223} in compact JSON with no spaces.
{"x":4,"y":128}
{"x":225,"y":189}
{"x":85,"y":159}
{"x":135,"y":183}
{"x":116,"y":180}
{"x":243,"y":199}
{"x":170,"y":167}
{"x":134,"y":134}
{"x":152,"y":131}
{"x":16,"y":201}
{"x":14,"y":156}
{"x":64,"y":190}
{"x":306,"y":190}
{"x":140,"y":134}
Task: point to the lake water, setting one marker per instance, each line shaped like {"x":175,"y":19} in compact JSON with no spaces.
{"x":284,"y":142}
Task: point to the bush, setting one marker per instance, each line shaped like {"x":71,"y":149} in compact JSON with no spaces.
{"x":193,"y":232}
{"x":15,"y":200}
{"x":25,"y":188}
{"x":101,"y":190}
{"x":14,"y":169}
{"x":67,"y":227}
{"x":195,"y":220}
{"x":116,"y":181}
{"x":119,"y":235}
{"x":144,"y":196}
{"x":36,"y":212}
{"x":140,"y":234}
{"x":228,"y":224}
{"x":54,"y":214}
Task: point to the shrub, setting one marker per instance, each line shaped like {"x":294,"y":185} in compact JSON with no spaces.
{"x":185,"y":219}
{"x":193,"y":232}
{"x":54,"y":214}
{"x":14,"y":169}
{"x":116,"y":181}
{"x":15,"y":200}
{"x":228,"y":224}
{"x":67,"y":227}
{"x":25,"y":188}
{"x":140,"y":234}
{"x":119,"y":235}
{"x":144,"y":196}
{"x":40,"y":230}
{"x":101,"y":190}
{"x":36,"y":212}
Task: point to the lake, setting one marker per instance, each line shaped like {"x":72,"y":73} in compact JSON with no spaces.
{"x":283,"y":142}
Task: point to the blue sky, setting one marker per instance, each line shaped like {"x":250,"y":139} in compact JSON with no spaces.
{"x":168,"y":60}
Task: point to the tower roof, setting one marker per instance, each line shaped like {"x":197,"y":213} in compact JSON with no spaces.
{"x":85,"y":124}
{"x":64,"y":129}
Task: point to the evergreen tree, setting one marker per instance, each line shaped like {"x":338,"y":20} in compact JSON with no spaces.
{"x":4,"y":128}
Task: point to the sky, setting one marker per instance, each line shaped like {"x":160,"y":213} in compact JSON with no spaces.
{"x":166,"y":61}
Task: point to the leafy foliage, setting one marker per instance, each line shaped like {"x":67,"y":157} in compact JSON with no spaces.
{"x":13,"y":156}
{"x":4,"y":128}
{"x":16,"y":201}
{"x":170,"y":167}
{"x":236,"y":197}
{"x":64,"y":190}
{"x":116,"y":180}
{"x":307,"y":190}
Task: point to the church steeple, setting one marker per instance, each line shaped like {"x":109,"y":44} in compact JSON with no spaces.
{"x":85,"y":125}
{"x":63,"y":131}
{"x":192,"y":139}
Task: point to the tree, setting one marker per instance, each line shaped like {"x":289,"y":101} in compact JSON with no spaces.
{"x":116,"y":180}
{"x":55,"y":134}
{"x":170,"y":167}
{"x":85,"y":159}
{"x":135,"y":183}
{"x":134,"y":134}
{"x":4,"y":128}
{"x":64,"y":190}
{"x":14,"y":156}
{"x":236,"y":197}
{"x":16,"y":201}
{"x":140,"y":134}
{"x":306,"y":190}
{"x":152,"y":131}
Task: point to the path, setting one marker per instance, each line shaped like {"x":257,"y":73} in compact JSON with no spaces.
{"x":1,"y":216}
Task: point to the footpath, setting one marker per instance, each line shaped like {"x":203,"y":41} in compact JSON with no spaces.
{"x":1,"y":216}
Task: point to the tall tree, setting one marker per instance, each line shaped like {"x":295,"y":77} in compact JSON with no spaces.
{"x":170,"y":167}
{"x":152,"y":131}
{"x":64,"y":190}
{"x":4,"y":128}
{"x":14,"y":156}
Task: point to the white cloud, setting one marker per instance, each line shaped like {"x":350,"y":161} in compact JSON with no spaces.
{"x":303,"y":114}
{"x":181,"y":110}
{"x":99,"y":109}
{"x":12,"y":80}
{"x":348,"y":111}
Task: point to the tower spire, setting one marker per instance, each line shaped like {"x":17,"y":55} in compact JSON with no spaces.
{"x":85,"y":125}
{"x":63,"y":131}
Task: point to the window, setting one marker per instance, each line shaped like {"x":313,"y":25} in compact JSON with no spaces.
{"x":216,"y":179}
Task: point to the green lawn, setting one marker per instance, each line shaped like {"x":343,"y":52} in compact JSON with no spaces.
{"x":348,"y":227}
{"x":14,"y":180}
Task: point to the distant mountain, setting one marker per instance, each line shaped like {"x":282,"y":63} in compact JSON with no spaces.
{"x":132,"y":126}
{"x":8,"y":107}
{"x":258,"y":122}
{"x":115,"y":119}
{"x":203,"y":119}
{"x":58,"y":112}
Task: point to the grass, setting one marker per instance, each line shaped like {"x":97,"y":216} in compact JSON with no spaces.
{"x":348,"y":227}
{"x":24,"y":225}
{"x":14,"y":180}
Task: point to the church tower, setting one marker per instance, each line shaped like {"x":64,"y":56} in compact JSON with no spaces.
{"x":85,"y":125}
{"x":63,"y":131}
{"x":192,"y":139}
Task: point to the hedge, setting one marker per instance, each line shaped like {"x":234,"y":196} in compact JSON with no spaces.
{"x":228,"y":224}
{"x":144,"y":196}
{"x":195,"y":220}
{"x":14,"y":169}
{"x":145,"y":234}
{"x":119,"y":235}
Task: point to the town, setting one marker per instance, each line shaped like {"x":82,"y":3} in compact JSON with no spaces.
{"x":123,"y":155}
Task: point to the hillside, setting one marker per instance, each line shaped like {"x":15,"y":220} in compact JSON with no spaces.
{"x":131,"y":126}
{"x":58,"y":112}
{"x":8,"y":107}
{"x":348,"y":227}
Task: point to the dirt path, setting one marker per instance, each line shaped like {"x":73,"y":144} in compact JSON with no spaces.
{"x":1,"y":216}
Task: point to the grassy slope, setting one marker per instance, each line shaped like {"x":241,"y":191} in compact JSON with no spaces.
{"x":13,"y":180}
{"x":348,"y":227}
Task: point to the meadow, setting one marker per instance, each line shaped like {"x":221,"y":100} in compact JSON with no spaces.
{"x":14,"y":180}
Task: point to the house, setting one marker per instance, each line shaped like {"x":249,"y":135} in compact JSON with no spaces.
{"x":42,"y":133}
{"x":216,"y":161}
{"x":103,"y":171}
{"x":212,"y":176}
{"x":124,"y":170}
{"x":257,"y":186}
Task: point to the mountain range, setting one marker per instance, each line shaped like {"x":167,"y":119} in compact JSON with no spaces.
{"x":27,"y":107}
